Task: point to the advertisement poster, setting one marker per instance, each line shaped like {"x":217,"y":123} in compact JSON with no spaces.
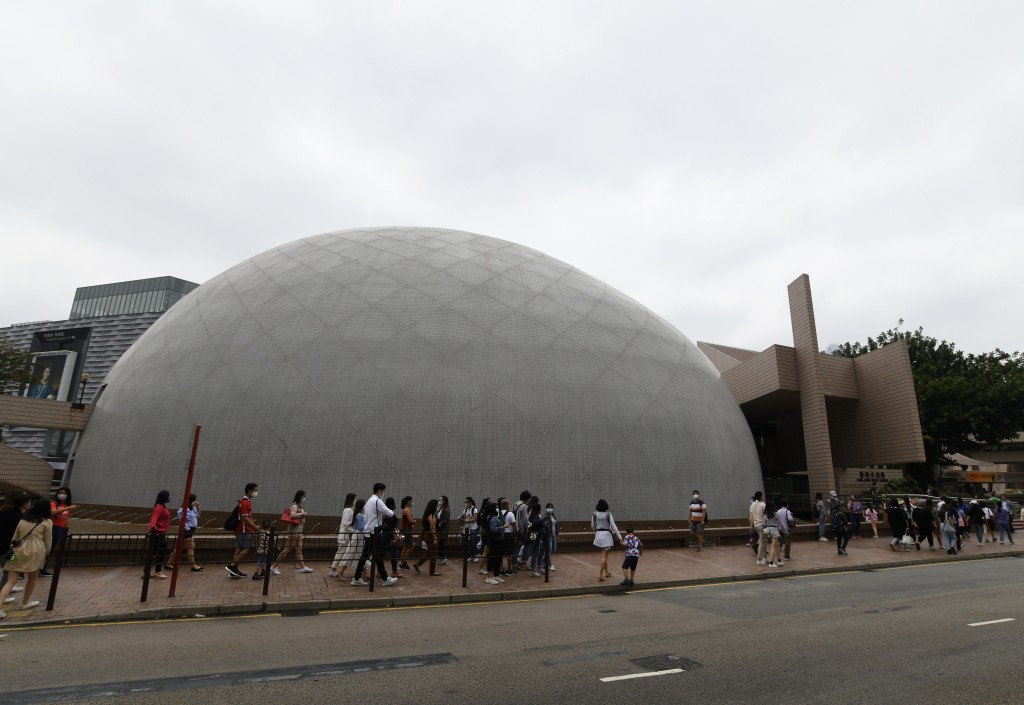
{"x":52,"y":375}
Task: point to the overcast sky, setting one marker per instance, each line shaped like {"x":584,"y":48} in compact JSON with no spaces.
{"x":696,"y":156}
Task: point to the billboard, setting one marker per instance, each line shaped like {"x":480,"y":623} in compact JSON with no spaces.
{"x":53,"y":375}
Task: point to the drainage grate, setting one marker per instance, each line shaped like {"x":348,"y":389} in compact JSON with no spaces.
{"x":300,"y":613}
{"x":665,"y":662}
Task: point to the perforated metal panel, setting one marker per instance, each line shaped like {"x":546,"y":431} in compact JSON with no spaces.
{"x":436,"y":361}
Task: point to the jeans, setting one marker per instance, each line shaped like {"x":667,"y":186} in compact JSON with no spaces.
{"x":1004,"y":528}
{"x":552,"y":545}
{"x":535,"y":556}
{"x":948,"y":537}
{"x":979,"y":529}
{"x":856,"y":524}
{"x":762,"y":541}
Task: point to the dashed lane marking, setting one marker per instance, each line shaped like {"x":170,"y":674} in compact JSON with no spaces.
{"x":991,"y":621}
{"x":648,"y":674}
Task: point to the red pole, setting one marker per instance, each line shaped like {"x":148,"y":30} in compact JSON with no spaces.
{"x":184,"y":510}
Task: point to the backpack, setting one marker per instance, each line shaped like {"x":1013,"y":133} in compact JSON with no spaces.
{"x":838,"y":521}
{"x":231,"y":523}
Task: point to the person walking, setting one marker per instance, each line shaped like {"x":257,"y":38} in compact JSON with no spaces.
{"x":698,"y":518}
{"x":976,"y":519}
{"x":60,"y":513}
{"x":1004,"y":520}
{"x":428,"y":535}
{"x":948,"y":525}
{"x":191,"y":524}
{"x":841,"y":528}
{"x":634,"y":549}
{"x":897,"y":519}
{"x":924,"y":519}
{"x":871,"y":516}
{"x":31,"y":543}
{"x":444,"y":516}
{"x":770,"y":534}
{"x":159,"y":523}
{"x":244,"y":530}
{"x":468,"y":520}
{"x":856,"y":516}
{"x":295,"y":518}
{"x":535,"y":537}
{"x":375,"y":511}
{"x":345,"y":533}
{"x":605,"y":534}
{"x":389,"y":546}
{"x":407,"y":528}
{"x":990,"y":523}
{"x":756,"y":519}
{"x":786,"y":525}
{"x":495,"y":528}
{"x":14,"y":507}
{"x":819,"y":509}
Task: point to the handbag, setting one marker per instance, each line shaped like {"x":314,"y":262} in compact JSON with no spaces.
{"x":287,"y":518}
{"x":906,"y":540}
{"x":9,"y":556}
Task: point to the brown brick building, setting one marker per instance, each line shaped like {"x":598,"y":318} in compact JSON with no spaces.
{"x":824,"y":418}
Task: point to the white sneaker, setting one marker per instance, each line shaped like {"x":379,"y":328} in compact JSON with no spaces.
{"x":551,"y":567}
{"x":492,"y":581}
{"x":17,"y":588}
{"x":535,"y":574}
{"x":390,"y":581}
{"x":9,"y":601}
{"x":779,"y":562}
{"x":274,"y":571}
{"x":482,"y":572}
{"x":822,"y":538}
{"x":307,"y":569}
{"x":442,"y":561}
{"x":29,"y":605}
{"x":500,"y":580}
{"x":360,"y":582}
{"x":2,"y":614}
{"x":772,"y":565}
{"x":333,"y":574}
{"x":760,"y":562}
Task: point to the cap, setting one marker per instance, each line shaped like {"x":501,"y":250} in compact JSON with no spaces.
{"x":832,"y":493}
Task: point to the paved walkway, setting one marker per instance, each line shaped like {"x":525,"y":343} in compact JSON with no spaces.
{"x":111,"y":594}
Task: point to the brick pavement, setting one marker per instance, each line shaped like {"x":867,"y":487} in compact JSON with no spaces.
{"x":104,"y":594}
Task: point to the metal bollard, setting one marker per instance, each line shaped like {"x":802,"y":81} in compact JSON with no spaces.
{"x":150,"y":550}
{"x":271,"y":557}
{"x":58,"y":564}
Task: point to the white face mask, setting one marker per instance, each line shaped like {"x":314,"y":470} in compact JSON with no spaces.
{"x":61,"y":497}
{"x":254,"y":494}
{"x":696,"y":496}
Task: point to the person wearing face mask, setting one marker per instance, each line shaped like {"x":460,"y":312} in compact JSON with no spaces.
{"x":444,"y":516}
{"x":60,"y":511}
{"x":552,"y":522}
{"x":469,"y":520}
{"x":698,"y":518}
{"x":244,"y":530}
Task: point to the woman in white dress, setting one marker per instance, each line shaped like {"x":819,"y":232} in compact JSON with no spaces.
{"x":345,"y":531}
{"x":605,"y":535}
{"x":355,"y":539}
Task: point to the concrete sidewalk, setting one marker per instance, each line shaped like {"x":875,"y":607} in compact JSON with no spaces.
{"x":88,"y":595}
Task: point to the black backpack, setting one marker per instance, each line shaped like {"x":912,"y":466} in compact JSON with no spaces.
{"x":231,"y":523}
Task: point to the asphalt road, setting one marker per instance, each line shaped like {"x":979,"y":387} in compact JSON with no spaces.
{"x":898,"y":635}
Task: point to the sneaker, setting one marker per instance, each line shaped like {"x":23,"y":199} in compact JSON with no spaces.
{"x":551,"y":567}
{"x":778,"y":563}
{"x":822,"y":538}
{"x":274,"y":571}
{"x":535,"y":574}
{"x":29,"y":605}
{"x":333,"y":574}
{"x":359,"y":582}
{"x":625,"y":582}
{"x":9,"y":601}
{"x":442,"y":561}
{"x":843,"y":552}
{"x":17,"y":588}
{"x":500,"y":580}
{"x":305,"y":569}
{"x":772,"y":565}
{"x":234,"y":572}
{"x":45,"y":573}
{"x":492,"y":581}
{"x":257,"y":575}
{"x":2,"y":614}
{"x":760,"y":562}
{"x":390,"y":581}
{"x":482,"y":572}
{"x":403,"y":565}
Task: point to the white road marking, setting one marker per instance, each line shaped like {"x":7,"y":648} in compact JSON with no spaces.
{"x":994,"y":621}
{"x":648,"y":674}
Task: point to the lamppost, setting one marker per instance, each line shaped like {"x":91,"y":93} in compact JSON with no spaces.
{"x":81,"y":386}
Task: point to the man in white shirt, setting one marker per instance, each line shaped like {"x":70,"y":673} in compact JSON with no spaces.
{"x":786,"y":520}
{"x":757,"y":522}
{"x":375,"y":512}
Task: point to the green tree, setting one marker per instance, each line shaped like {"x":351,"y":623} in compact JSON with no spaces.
{"x":966,"y":401}
{"x":15,"y":367}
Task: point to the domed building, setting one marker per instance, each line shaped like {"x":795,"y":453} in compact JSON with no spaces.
{"x":436,"y":361}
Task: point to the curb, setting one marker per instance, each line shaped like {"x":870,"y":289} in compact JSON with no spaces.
{"x":183,"y":612}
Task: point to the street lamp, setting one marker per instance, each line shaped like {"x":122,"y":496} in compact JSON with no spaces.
{"x":81,"y":386}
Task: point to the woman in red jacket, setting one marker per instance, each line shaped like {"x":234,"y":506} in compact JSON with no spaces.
{"x":159,"y":522}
